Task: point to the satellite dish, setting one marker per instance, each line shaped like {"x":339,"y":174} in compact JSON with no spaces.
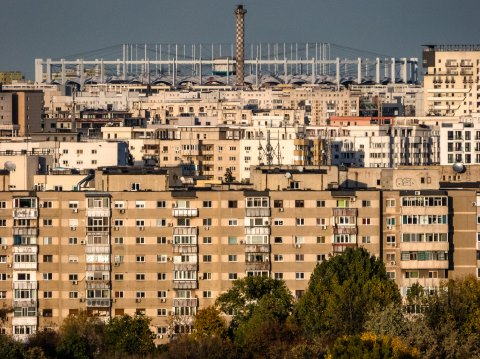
{"x":288,"y":175}
{"x":458,"y":167}
{"x":182,"y":179}
{"x":10,"y":166}
{"x":300,"y":169}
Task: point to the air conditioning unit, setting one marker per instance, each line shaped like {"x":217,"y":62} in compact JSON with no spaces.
{"x":75,"y":210}
{"x":174,"y":205}
{"x":82,"y":242}
{"x":4,"y":247}
{"x":122,"y":210}
{"x":40,"y":205}
{"x":200,"y":278}
{"x":281,"y":209}
{"x":169,"y":241}
{"x":116,"y":264}
{"x":390,"y":227}
{"x":116,"y":228}
{"x":170,"y":224}
{"x":393,"y":263}
{"x":206,"y":228}
{"x":417,"y":193}
{"x":323,"y":226}
{"x":298,"y":246}
{"x":266,"y":223}
{"x":160,"y":336}
{"x":138,"y":300}
{"x":162,"y":300}
{"x":241,"y":242}
{"x":73,"y":228}
{"x":74,"y":282}
{"x":141,"y":228}
{"x":353,"y":199}
{"x":82,"y":300}
{"x":169,"y":259}
{"x":9,"y":265}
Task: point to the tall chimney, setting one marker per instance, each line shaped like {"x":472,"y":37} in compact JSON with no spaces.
{"x":240,"y":37}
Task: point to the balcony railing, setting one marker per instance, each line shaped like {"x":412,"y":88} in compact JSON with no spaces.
{"x":257,"y":248}
{"x":344,"y":229}
{"x":98,"y":267}
{"x":98,"y":284}
{"x":25,"y":265}
{"x":185,"y":266}
{"x":257,"y":266}
{"x":98,"y":212}
{"x":185,"y":284}
{"x":185,"y":212}
{"x":25,"y":213}
{"x":94,"y":249}
{"x":98,"y":303}
{"x":342,"y":247}
{"x":257,"y":212}
{"x":24,"y":249}
{"x":25,"y":285}
{"x":257,"y":230}
{"x":25,"y":231}
{"x":427,"y":264}
{"x":23,"y":303}
{"x":185,"y":302}
{"x":185,"y":248}
{"x":345,"y":212}
{"x":191,"y":231}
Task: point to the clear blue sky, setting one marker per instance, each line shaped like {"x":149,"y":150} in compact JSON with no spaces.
{"x":56,"y":28}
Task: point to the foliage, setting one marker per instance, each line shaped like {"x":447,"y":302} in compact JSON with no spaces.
{"x":9,"y":348}
{"x":194,"y":347}
{"x":46,"y":340}
{"x":368,"y":345}
{"x":342,"y":291}
{"x":81,"y":337}
{"x":228,"y":176}
{"x":129,"y":335}
{"x":208,"y":322}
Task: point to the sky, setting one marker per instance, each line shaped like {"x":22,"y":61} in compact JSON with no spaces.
{"x":32,"y":29}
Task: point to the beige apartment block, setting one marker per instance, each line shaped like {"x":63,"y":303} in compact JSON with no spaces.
{"x":144,"y":241}
{"x":451,"y":79}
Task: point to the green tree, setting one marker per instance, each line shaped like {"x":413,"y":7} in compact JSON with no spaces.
{"x":209,"y":322}
{"x":229,"y":176}
{"x":81,"y":337}
{"x":194,"y":347}
{"x":129,"y":335}
{"x":10,"y":348}
{"x":47,"y":340}
{"x":342,"y":291}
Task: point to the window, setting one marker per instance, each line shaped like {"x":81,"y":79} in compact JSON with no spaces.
{"x":207,"y":240}
{"x":299,"y":257}
{"x":207,"y":258}
{"x":366,"y":221}
{"x":366,"y":203}
{"x":278,"y":222}
{"x":118,"y":276}
{"x":140,"y":259}
{"x":232,"y":257}
{"x":232,"y":276}
{"x":232,"y":240}
{"x":47,"y":222}
{"x":232,"y":204}
{"x":161,"y":240}
{"x":366,"y":239}
{"x":299,"y":275}
{"x":48,"y":294}
{"x":161,"y":204}
{"x":299,"y":203}
{"x":207,"y":276}
{"x":390,"y":221}
{"x":390,"y":257}
{"x":161,"y":276}
{"x":118,"y":222}
{"x":207,"y":294}
{"x":47,"y":204}
{"x":3,"y":204}
{"x":3,"y":222}
{"x":140,"y":240}
{"x":162,"y":294}
{"x":391,"y":275}
{"x":47,"y":276}
{"x":140,"y":223}
{"x":391,"y":239}
{"x":135,"y":187}
{"x":207,"y":204}
{"x":321,"y":258}
{"x":321,"y":239}
{"x":321,"y":203}
{"x":278,"y":257}
{"x":139,"y":294}
{"x":207,"y":221}
{"x":118,"y":240}
{"x":278,"y":203}
{"x":299,"y":221}
{"x":411,"y":274}
{"x":278,"y":276}
{"x":140,"y":276}
{"x":278,"y":240}
{"x":47,"y":240}
{"x":73,"y":276}
{"x":47,"y":258}
{"x":139,"y":204}
{"x":72,"y":240}
{"x":162,"y":222}
{"x":232,"y":222}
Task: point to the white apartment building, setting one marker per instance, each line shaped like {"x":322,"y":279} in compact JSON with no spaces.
{"x":460,"y":142}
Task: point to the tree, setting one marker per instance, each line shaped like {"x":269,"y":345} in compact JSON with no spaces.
{"x":342,"y":291}
{"x":208,"y":322}
{"x":10,"y":348}
{"x":229,"y":176}
{"x":194,"y":347}
{"x":46,"y":340}
{"x":81,"y":337}
{"x":129,"y":335}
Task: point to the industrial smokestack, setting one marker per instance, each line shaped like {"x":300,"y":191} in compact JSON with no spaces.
{"x":240,"y":35}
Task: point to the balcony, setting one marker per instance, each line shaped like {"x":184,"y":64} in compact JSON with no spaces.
{"x":185,"y":266}
{"x":184,"y":248}
{"x":185,"y":302}
{"x":185,"y":212}
{"x":24,"y":303}
{"x":92,"y":249}
{"x":249,"y":266}
{"x":424,"y":246}
{"x":25,"y":285}
{"x":345,"y":212}
{"x":344,"y":229}
{"x":190,"y":231}
{"x":342,"y":247}
{"x":98,"y":230}
{"x":17,"y":249}
{"x":185,"y":284}
{"x":25,"y":265}
{"x":98,"y":284}
{"x":98,"y":303}
{"x":465,"y":63}
{"x":25,"y":231}
{"x":257,"y":230}
{"x":257,"y":248}
{"x":98,"y":267}
{"x":428,"y":264}
{"x":25,"y":213}
{"x":98,"y":212}
{"x":257,"y":212}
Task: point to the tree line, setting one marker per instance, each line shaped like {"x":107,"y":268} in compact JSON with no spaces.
{"x":351,"y":309}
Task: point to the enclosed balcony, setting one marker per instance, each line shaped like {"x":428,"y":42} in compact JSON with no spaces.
{"x":342,"y":247}
{"x":188,"y":231}
{"x":185,"y":302}
{"x":25,"y":213}
{"x":257,"y":248}
{"x":185,"y":212}
{"x":184,"y":248}
{"x":345,"y":229}
{"x":185,"y":266}
{"x":264,"y":230}
{"x":257,"y":212}
{"x":98,"y":303}
{"x":254,"y":266}
{"x":185,"y":284}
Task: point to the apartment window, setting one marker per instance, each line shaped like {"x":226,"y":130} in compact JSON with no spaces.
{"x":207,"y":240}
{"x":232,"y":276}
{"x":161,"y":276}
{"x":161,"y":240}
{"x":433,"y":274}
{"x":73,"y":276}
{"x":390,"y":221}
{"x":391,"y":239}
{"x":73,"y":295}
{"x":3,"y":204}
{"x":47,"y":258}
{"x":162,"y":222}
{"x":366,"y":239}
{"x":391,"y":275}
{"x":207,"y":258}
{"x":321,"y":239}
{"x":232,"y":240}
{"x":207,"y":204}
{"x":278,"y":203}
{"x":139,"y":294}
{"x":232,"y":257}
{"x":72,"y":259}
{"x":278,"y":222}
{"x":207,"y":276}
{"x":140,"y":276}
{"x":278,"y":276}
{"x":299,"y":257}
{"x":390,"y":203}
{"x":135,"y":187}
{"x":299,"y":203}
{"x":232,"y":222}
{"x":299,"y":275}
{"x":161,"y":204}
{"x":47,"y":222}
{"x":300,"y":221}
{"x":207,"y":294}
{"x":140,"y":223}
{"x":3,"y":222}
{"x":321,"y":203}
{"x":72,"y":240}
{"x":118,"y":276}
{"x":118,"y":222}
{"x":118,"y":240}
{"x":278,"y":257}
{"x":366,"y":203}
{"x":366,"y":221}
{"x":321,"y":258}
{"x":47,"y":240}
{"x":411,"y":274}
{"x":48,"y":294}
{"x":119,"y":204}
{"x":3,"y":259}
{"x":207,"y":221}
{"x":278,"y":240}
{"x":3,"y":276}
{"x":139,"y":204}
{"x":140,"y":259}
{"x":232,"y":204}
{"x":321,"y":221}
{"x":140,"y":240}
{"x":299,"y":240}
